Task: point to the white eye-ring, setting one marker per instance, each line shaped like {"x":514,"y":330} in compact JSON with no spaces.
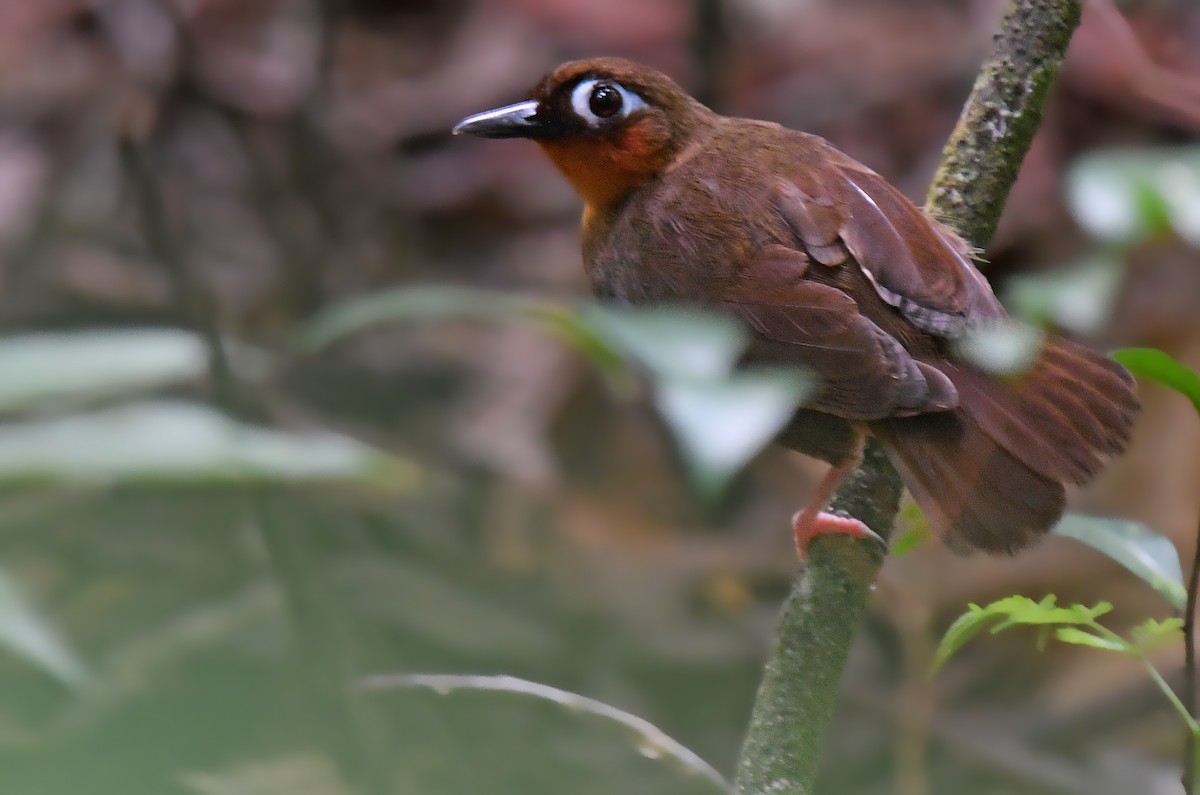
{"x":597,"y":100}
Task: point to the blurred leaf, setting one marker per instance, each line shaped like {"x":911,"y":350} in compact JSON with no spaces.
{"x":1080,"y":637}
{"x":1150,"y":634}
{"x":89,"y":364}
{"x":667,"y":341}
{"x":544,"y":756}
{"x":297,"y":774}
{"x":720,"y":422}
{"x":411,"y":303}
{"x":432,"y":302}
{"x":673,"y":342}
{"x":916,"y":529}
{"x":908,"y":540}
{"x":573,"y":329}
{"x":1178,"y":186}
{"x":1125,"y":196}
{"x":180,"y":441}
{"x":29,"y":634}
{"x":1005,"y":349}
{"x":721,"y":425}
{"x":1078,"y":298}
{"x":1139,"y":549}
{"x":1161,"y":367}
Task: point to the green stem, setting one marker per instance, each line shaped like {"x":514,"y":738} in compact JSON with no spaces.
{"x":1191,"y":723}
{"x":1192,"y":784}
{"x":1168,"y":691}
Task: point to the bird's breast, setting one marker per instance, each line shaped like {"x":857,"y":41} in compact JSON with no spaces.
{"x":679,"y":240}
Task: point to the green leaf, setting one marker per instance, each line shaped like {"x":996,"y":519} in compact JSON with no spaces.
{"x":177,"y":441}
{"x":35,"y":368}
{"x":1150,"y":634}
{"x":965,"y":627}
{"x":721,"y":424}
{"x":1080,"y":637}
{"x":672,"y":342}
{"x":1025,"y":612}
{"x":1013,"y":611}
{"x":910,"y":539}
{"x":26,"y":632}
{"x":573,"y":329}
{"x":1004,"y":349}
{"x":441,"y":302}
{"x":1127,"y":195}
{"x":413,"y":302}
{"x":916,"y":530}
{"x":1161,"y":367}
{"x":565,"y":738}
{"x":719,"y":420}
{"x":1079,"y":298}
{"x":291,"y":774}
{"x":1145,"y":553}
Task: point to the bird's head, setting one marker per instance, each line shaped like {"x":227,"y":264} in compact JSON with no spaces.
{"x":609,"y":125}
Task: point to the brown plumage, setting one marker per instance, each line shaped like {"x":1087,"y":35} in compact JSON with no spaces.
{"x":832,"y":268}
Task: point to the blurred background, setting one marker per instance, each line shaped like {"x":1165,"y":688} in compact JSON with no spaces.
{"x":210,"y":534}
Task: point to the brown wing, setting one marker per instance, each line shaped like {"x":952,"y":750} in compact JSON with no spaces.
{"x":914,"y":263}
{"x":865,"y":372}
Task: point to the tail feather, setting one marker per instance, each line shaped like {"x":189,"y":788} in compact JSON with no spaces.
{"x":990,"y":474}
{"x":1097,"y":386}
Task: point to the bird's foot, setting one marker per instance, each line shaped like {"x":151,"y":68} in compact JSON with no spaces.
{"x":807,"y":525}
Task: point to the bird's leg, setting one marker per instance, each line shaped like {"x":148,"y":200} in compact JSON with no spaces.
{"x":811,"y":521}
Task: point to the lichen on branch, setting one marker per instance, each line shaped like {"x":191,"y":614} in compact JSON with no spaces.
{"x":984,"y":153}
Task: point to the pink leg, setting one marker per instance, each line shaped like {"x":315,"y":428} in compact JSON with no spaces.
{"x":811,"y":521}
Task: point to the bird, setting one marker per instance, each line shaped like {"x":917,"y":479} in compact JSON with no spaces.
{"x":833,"y":269}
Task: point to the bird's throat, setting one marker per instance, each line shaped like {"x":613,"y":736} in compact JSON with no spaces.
{"x":601,"y":178}
{"x":604,"y":172}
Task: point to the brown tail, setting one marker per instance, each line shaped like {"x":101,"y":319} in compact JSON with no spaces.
{"x":989,"y":475}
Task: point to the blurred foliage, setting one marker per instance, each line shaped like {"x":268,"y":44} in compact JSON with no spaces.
{"x":1147,"y":554}
{"x":25,"y":631}
{"x":1078,"y":297}
{"x":1075,"y":625}
{"x":77,"y":420}
{"x":525,"y":737}
{"x":1162,"y":367}
{"x":720,"y":418}
{"x":186,"y":187}
{"x":1125,"y":197}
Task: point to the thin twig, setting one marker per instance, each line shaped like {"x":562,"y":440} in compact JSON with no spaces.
{"x":645,"y":734}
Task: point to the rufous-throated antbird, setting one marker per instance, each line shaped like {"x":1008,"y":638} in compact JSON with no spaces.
{"x":834,"y":269}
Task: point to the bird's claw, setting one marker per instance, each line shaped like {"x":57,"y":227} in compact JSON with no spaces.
{"x":807,"y":525}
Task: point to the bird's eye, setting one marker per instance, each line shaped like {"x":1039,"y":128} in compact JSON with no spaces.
{"x":596,"y":101}
{"x":605,"y":101}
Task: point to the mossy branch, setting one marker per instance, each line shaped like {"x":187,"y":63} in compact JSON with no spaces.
{"x":981,"y":160}
{"x":795,"y":703}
